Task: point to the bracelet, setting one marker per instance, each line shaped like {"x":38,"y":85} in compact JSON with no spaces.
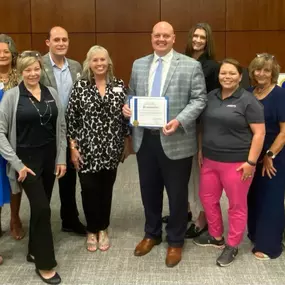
{"x":73,"y":144}
{"x":251,"y":163}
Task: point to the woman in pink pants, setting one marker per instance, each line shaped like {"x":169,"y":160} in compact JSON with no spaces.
{"x":232,"y":138}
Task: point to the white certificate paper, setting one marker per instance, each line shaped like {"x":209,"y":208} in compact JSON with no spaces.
{"x":149,"y":111}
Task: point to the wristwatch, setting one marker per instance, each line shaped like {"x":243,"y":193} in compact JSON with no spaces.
{"x":269,"y":153}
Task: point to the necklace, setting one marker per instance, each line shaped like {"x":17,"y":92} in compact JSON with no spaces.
{"x":260,"y":92}
{"x":42,"y":116}
{"x":4,"y":77}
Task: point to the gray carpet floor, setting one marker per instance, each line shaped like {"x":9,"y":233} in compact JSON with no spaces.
{"x":118,"y":266}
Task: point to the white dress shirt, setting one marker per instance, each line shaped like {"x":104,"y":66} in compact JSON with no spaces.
{"x":166,"y":61}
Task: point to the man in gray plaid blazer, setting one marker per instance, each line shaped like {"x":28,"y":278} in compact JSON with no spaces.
{"x":60,"y":73}
{"x":164,"y":155}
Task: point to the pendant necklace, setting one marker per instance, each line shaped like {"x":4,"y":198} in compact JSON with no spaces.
{"x":47,"y":110}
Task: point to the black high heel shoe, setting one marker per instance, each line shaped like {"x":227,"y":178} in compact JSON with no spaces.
{"x":30,"y":258}
{"x":195,"y":231}
{"x":53,"y":280}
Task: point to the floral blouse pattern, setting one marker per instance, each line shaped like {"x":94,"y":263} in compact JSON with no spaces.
{"x":13,"y":80}
{"x":97,"y":124}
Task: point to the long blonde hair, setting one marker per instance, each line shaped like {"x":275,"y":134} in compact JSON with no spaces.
{"x":87,"y":72}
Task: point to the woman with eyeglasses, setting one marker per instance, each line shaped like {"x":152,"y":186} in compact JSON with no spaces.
{"x":266,"y":194}
{"x":8,"y":80}
{"x":32,"y":140}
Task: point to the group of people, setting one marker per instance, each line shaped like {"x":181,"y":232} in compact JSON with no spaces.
{"x":232,"y":138}
{"x":39,"y":95}
{"x":57,"y":118}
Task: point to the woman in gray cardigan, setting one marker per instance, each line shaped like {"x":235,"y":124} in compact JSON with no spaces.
{"x":32,"y":140}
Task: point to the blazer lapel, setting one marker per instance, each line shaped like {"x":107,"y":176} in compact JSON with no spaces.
{"x":73,"y":70}
{"x":146,"y":72}
{"x":48,"y":69}
{"x":173,"y":65}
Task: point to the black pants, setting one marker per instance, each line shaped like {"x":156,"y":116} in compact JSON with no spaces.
{"x":157,"y":171}
{"x":97,"y":190}
{"x":67,"y":192}
{"x":39,"y":190}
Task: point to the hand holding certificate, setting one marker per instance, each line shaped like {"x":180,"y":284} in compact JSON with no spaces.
{"x":149,"y":111}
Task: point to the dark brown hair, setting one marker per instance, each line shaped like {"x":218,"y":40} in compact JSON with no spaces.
{"x":209,"y":48}
{"x":233,"y":62}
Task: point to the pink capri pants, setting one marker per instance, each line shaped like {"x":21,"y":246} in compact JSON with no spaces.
{"x":214,"y":177}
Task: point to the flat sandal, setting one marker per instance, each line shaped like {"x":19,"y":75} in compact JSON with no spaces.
{"x":91,"y":242}
{"x":104,"y":241}
{"x":263,"y":257}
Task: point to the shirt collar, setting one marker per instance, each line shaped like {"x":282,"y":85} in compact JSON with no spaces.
{"x":236,"y":94}
{"x":25,"y":92}
{"x":165,"y":58}
{"x":65,"y":65}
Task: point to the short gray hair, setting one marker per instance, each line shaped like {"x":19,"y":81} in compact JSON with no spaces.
{"x":87,"y":72}
{"x":12,"y":47}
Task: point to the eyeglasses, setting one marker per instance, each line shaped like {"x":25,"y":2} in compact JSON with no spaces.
{"x":265,"y":55}
{"x":35,"y":54}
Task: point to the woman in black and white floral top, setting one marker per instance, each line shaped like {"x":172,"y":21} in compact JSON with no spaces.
{"x":96,"y":131}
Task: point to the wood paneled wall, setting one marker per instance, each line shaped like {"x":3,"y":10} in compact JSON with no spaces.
{"x":241,"y":28}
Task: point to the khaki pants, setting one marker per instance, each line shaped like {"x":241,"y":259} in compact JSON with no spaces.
{"x":193,"y":189}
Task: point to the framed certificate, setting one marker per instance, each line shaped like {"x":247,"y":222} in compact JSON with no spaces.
{"x":151,"y":112}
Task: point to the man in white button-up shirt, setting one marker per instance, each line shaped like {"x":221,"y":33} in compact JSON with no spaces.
{"x":164,"y":155}
{"x":166,"y":61}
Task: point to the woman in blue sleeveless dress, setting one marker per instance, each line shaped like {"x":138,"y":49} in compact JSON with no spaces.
{"x":8,"y":79}
{"x":4,"y":183}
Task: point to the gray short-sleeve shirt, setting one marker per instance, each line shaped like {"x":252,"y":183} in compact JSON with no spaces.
{"x":226,"y":125}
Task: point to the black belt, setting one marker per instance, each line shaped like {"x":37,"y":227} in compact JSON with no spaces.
{"x":152,"y":131}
